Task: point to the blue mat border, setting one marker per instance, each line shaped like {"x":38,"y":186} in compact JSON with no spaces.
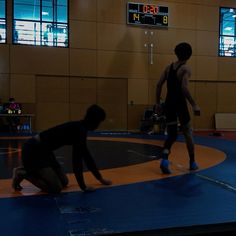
{"x":177,"y":202}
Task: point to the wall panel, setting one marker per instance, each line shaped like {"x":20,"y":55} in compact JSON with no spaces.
{"x":200,"y":2}
{"x":83,"y":34}
{"x":49,"y":114}
{"x":112,"y":96}
{"x":23,"y":88}
{"x":4,"y":59}
{"x":39,"y":60}
{"x":206,"y":95}
{"x":83,"y":62}
{"x":4,"y":87}
{"x":122,"y":64}
{"x":111,"y":11}
{"x":226,"y":67}
{"x":136,"y":113}
{"x":83,"y":10}
{"x":206,"y":68}
{"x":138,"y":91}
{"x":83,"y":90}
{"x":105,"y":51}
{"x":204,"y":22}
{"x":226,"y":97}
{"x":52,"y":89}
{"x":182,"y":21}
{"x":207,"y":43}
{"x":228,"y":3}
{"x":121,"y":37}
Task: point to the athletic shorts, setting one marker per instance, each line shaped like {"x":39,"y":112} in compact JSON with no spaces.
{"x":35,"y":156}
{"x":173,"y":115}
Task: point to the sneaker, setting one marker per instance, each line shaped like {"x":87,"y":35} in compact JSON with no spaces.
{"x":165,"y":166}
{"x":193,"y":166}
{"x":18,"y":175}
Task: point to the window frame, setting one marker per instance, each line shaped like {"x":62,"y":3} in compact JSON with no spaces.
{"x":5,"y":1}
{"x":55,"y":42}
{"x":229,"y":52}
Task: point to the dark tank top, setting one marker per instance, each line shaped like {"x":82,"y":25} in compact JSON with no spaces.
{"x":175,"y":103}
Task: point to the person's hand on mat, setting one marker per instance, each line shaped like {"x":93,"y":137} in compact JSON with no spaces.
{"x":105,"y":181}
{"x":89,"y":189}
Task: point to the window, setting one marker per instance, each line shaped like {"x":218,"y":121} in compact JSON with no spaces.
{"x":2,"y":21}
{"x":41,"y":22}
{"x":227,"y":38}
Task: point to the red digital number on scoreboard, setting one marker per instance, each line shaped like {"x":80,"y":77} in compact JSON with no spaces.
{"x":151,"y":9}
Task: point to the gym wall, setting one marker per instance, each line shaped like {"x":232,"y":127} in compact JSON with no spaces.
{"x":108,"y":62}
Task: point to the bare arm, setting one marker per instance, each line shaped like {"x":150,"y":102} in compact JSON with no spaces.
{"x":185,"y":75}
{"x":160,"y":84}
{"x":77,"y":164}
{"x":158,"y":108}
{"x":80,"y":153}
{"x":90,"y":163}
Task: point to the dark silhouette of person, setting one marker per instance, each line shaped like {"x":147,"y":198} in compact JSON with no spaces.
{"x":40,"y":166}
{"x":176,"y":75}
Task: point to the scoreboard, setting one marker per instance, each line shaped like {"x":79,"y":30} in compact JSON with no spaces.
{"x":147,"y":14}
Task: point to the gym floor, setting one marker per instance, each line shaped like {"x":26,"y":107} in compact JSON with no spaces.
{"x":141,"y":201}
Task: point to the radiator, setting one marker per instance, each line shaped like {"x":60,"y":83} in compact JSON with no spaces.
{"x":225,"y":121}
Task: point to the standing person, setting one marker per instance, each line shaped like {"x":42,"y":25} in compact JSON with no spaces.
{"x":177,"y":75}
{"x":40,"y":166}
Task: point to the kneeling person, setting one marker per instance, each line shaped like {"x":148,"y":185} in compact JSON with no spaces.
{"x":40,"y":166}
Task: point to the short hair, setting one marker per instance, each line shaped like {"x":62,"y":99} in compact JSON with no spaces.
{"x":183,"y":51}
{"x":95,"y":113}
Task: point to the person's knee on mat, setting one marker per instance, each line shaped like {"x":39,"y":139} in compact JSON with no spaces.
{"x":56,"y":189}
{"x":47,"y":180}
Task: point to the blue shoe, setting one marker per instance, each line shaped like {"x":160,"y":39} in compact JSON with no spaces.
{"x":193,"y":166}
{"x":165,"y":166}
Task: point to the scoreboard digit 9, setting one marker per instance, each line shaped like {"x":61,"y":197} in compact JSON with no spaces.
{"x":147,"y":14}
